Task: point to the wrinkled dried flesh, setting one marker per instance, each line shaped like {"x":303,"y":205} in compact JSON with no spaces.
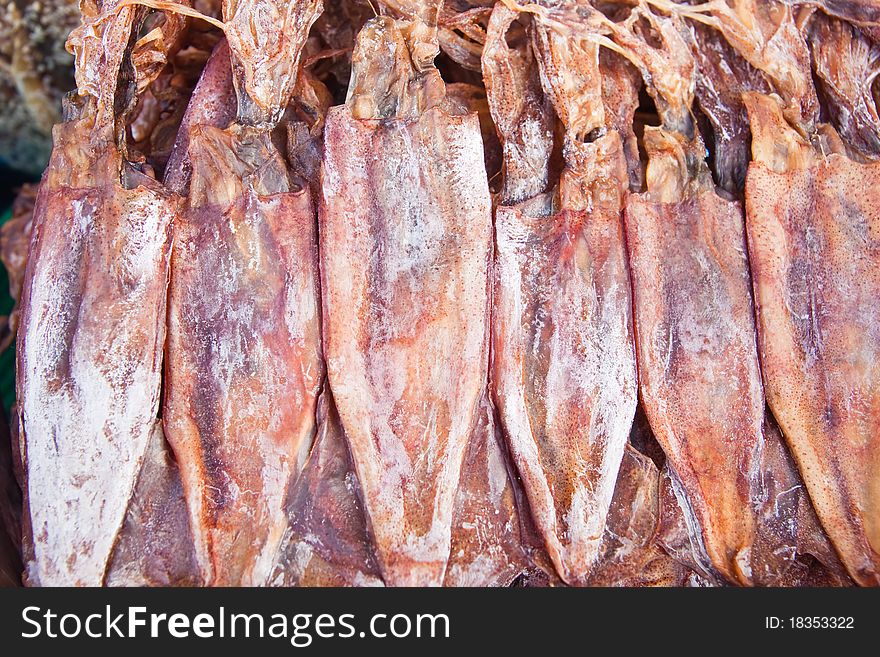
{"x":304,"y":126}
{"x":243,"y":363}
{"x":722,"y":76}
{"x":522,"y":114}
{"x":620,"y":96}
{"x":392,"y":71}
{"x":774,"y":143}
{"x":679,"y":532}
{"x":564,"y":361}
{"x":89,"y":354}
{"x":428,"y":11}
{"x":595,"y":176}
{"x":113,"y":69}
{"x":99,"y":46}
{"x":77,"y":163}
{"x":233,"y":163}
{"x":152,"y":52}
{"x":789,"y":535}
{"x":577,"y":82}
{"x":766,"y":35}
{"x":592,"y":91}
{"x":155,"y":546}
{"x":212,"y":103}
{"x":156,"y":121}
{"x":813,"y":249}
{"x":311,"y":102}
{"x":570,"y":77}
{"x":462,"y":35}
{"x":668,"y":68}
{"x":790,"y":546}
{"x":676,"y":166}
{"x":847,"y":64}
{"x":266,"y":38}
{"x":406,"y":240}
{"x":698,"y":366}
{"x":859,"y":12}
{"x":779,"y":494}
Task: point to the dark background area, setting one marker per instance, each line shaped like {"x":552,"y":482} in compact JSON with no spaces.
{"x":10,"y":181}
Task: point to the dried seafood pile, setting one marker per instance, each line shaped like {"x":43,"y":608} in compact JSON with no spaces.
{"x":424,"y":293}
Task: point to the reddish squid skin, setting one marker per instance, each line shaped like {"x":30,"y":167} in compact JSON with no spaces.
{"x":243,"y":372}
{"x":89,"y":353}
{"x":699,"y":377}
{"x":212,"y":103}
{"x":406,"y":244}
{"x":563,"y":368}
{"x":814,"y":245}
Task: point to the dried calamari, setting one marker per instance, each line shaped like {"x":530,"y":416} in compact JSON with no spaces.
{"x":563,"y":367}
{"x":405,"y":222}
{"x":92,"y":325}
{"x":812,"y":219}
{"x":243,"y":366}
{"x":321,"y":353}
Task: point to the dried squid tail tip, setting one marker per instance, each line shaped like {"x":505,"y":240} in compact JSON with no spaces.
{"x":847,"y":63}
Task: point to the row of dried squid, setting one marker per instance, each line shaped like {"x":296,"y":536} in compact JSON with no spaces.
{"x":451,"y":294}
